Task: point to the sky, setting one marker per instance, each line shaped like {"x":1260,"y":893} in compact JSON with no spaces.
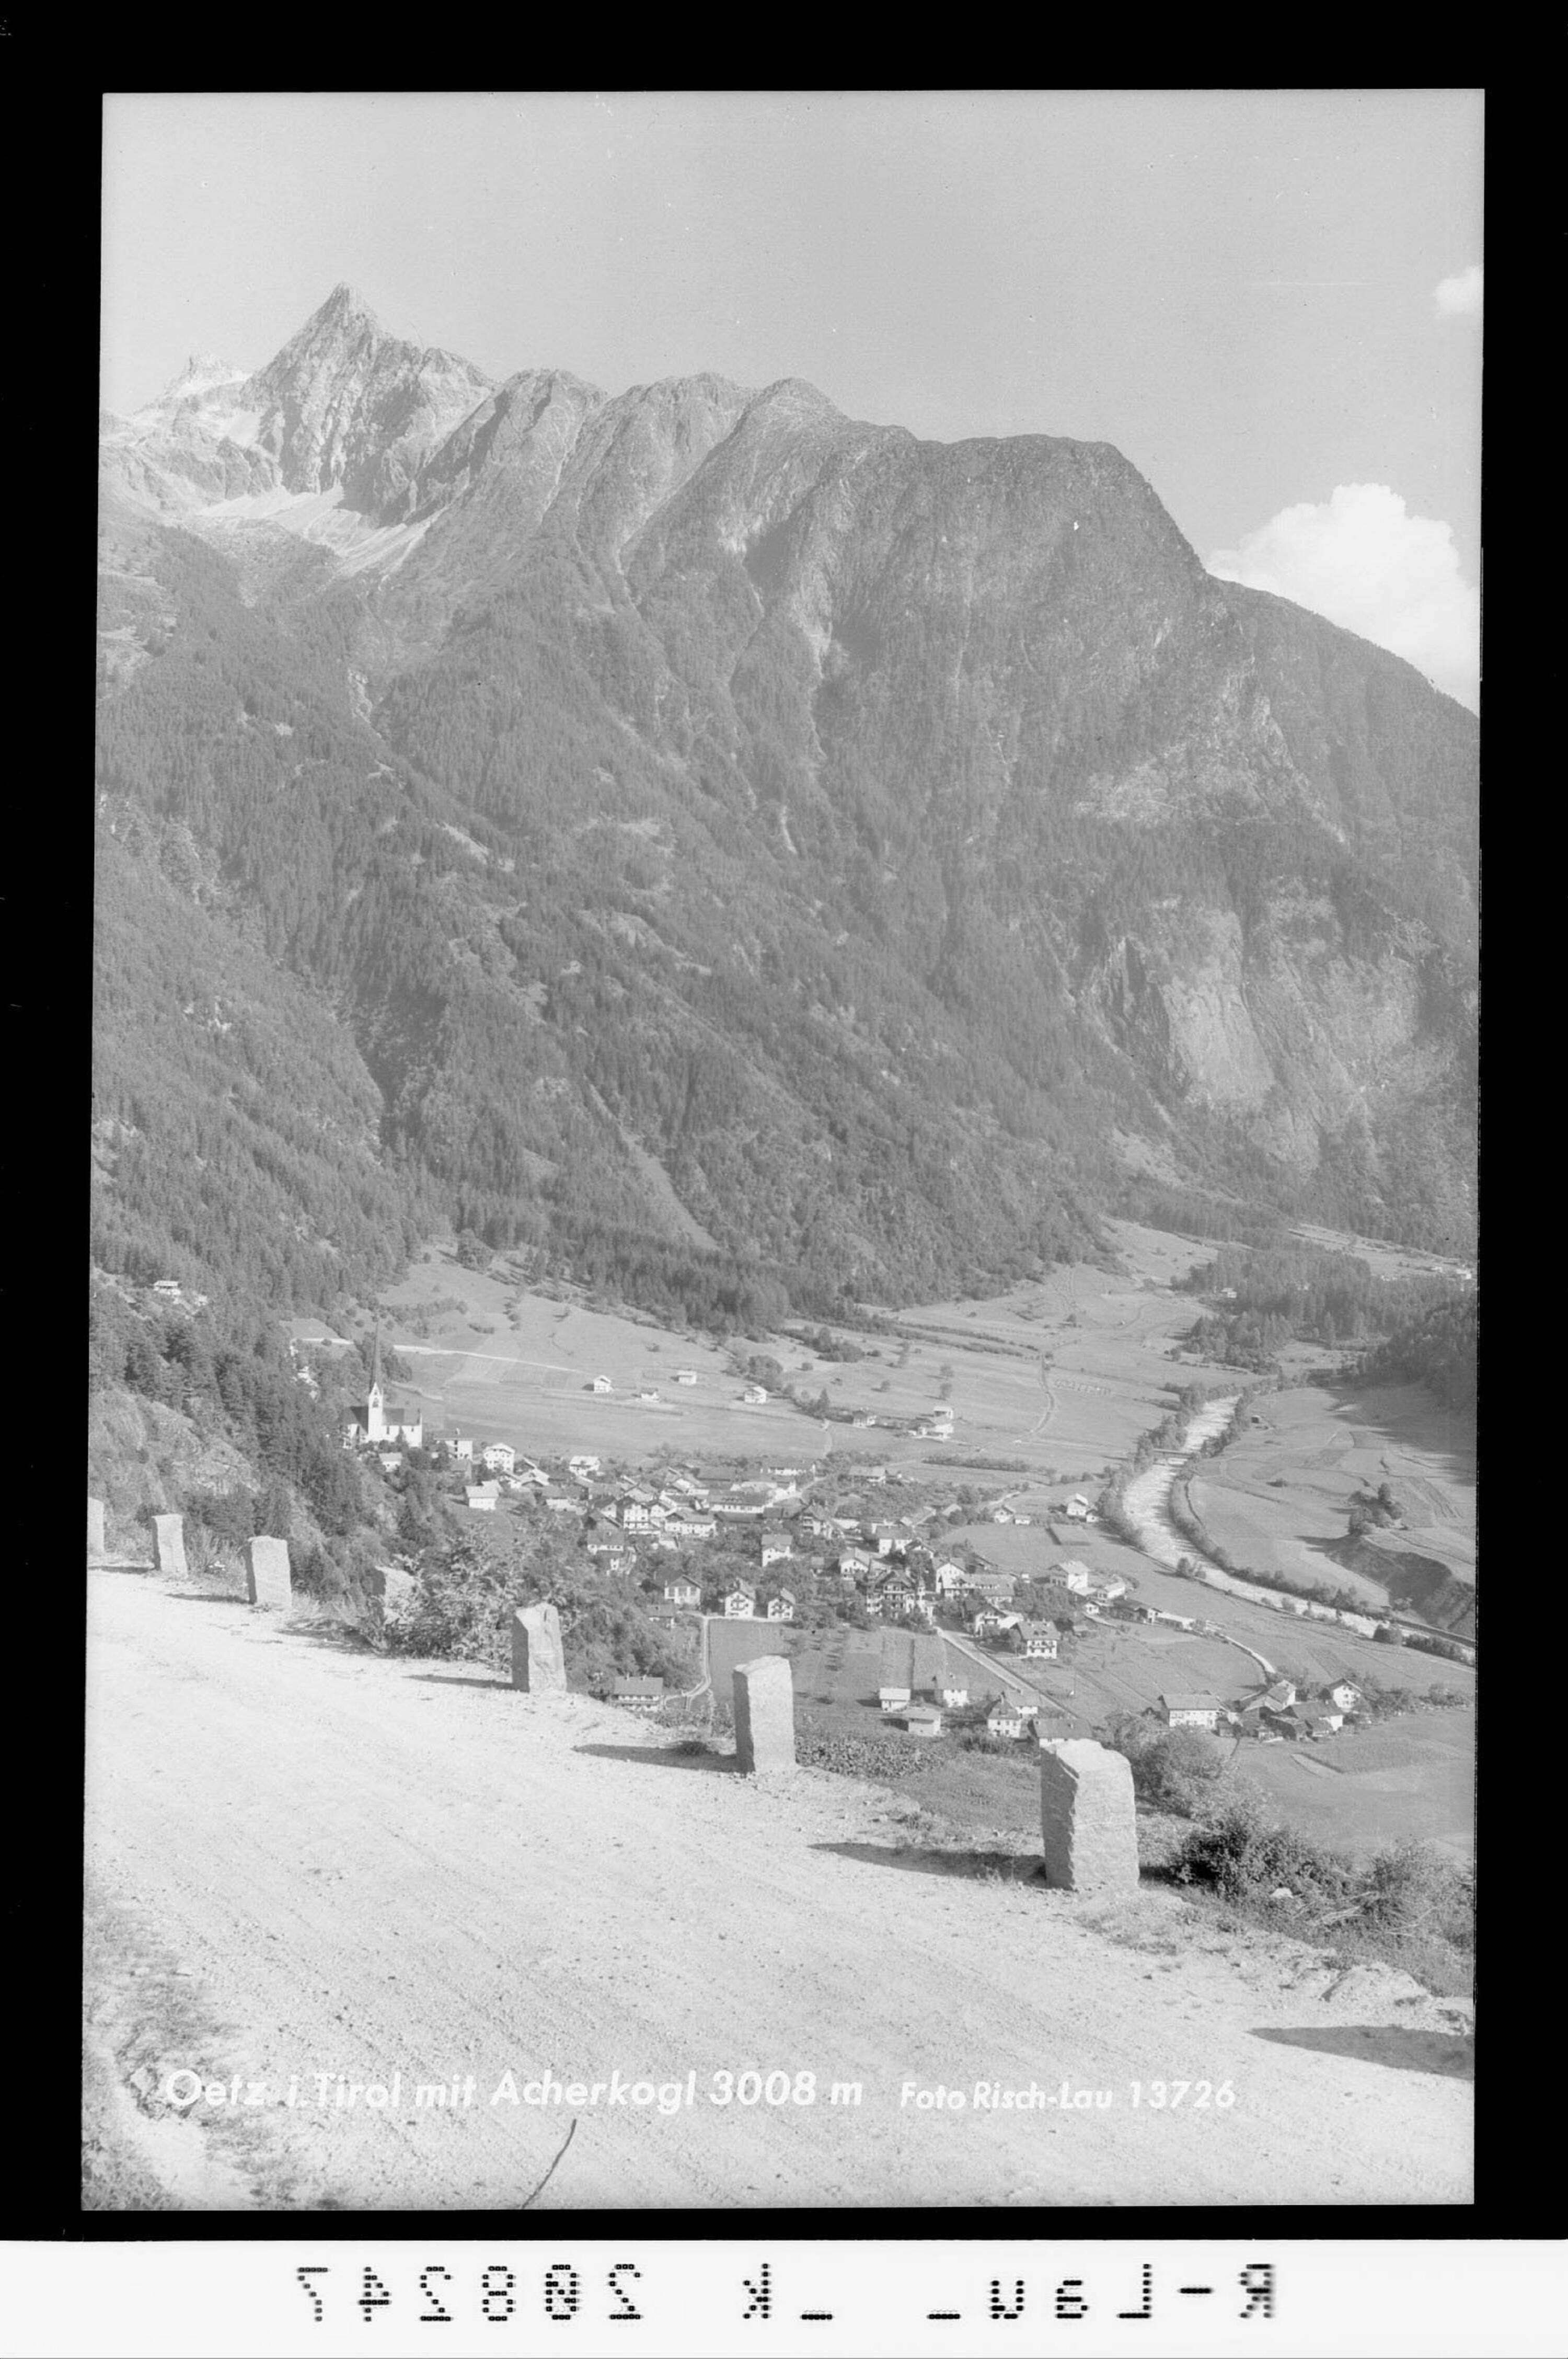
{"x":1269,"y":300}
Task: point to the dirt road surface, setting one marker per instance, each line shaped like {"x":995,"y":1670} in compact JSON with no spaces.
{"x":373,"y":1868}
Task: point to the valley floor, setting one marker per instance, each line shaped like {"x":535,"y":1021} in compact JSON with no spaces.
{"x":351,"y":1865}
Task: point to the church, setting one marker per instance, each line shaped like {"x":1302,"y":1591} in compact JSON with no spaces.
{"x":375,"y":1418}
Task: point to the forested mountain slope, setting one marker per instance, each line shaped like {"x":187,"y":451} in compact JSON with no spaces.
{"x":736,"y":847}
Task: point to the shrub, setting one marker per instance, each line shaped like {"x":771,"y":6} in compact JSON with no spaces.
{"x":1240,"y":1852}
{"x":1171,"y":1766}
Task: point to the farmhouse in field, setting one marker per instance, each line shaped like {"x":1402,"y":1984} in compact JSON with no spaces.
{"x":921,"y":1720}
{"x":601,"y":1385}
{"x":483,"y":1501}
{"x":685,"y":1376}
{"x":1345,"y":1695}
{"x":643,"y":1695}
{"x":682,"y":1592}
{"x":894,"y":1698}
{"x":1196,"y":1710}
{"x":740,"y":1603}
{"x":781,"y":1608}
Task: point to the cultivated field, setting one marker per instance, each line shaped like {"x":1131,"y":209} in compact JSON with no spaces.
{"x":1412,"y":1779}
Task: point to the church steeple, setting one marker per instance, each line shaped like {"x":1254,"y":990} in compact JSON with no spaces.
{"x":375,"y":1383}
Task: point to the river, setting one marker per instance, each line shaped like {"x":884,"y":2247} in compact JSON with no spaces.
{"x":1147,"y":1502}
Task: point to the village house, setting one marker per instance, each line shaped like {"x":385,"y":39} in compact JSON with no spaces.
{"x":920,"y":1720}
{"x":1325,"y":1720}
{"x":781,"y":1608}
{"x":643,"y":1695}
{"x":954,"y":1698}
{"x":582,"y":1465}
{"x":873,"y":1474}
{"x":855,"y":1562}
{"x":990,"y":1621}
{"x":740,"y":1603}
{"x":920,"y":1609}
{"x":682,"y":1590}
{"x":686,"y":1524}
{"x":777,"y":1546}
{"x":894,"y":1698}
{"x":1002,"y":1515}
{"x":1073,"y":1575}
{"x":1196,"y":1711}
{"x":685,"y":1376}
{"x":1004,"y":1720}
{"x":996,"y":1588}
{"x":950,"y":1577}
{"x":563,"y":1503}
{"x":483,"y":1502}
{"x":754,"y":1396}
{"x":1077,"y":1510}
{"x":1040,"y":1641}
{"x":461,"y":1445}
{"x":1344,"y":1694}
{"x":499,"y":1457}
{"x":636,"y":1512}
{"x":1280,"y":1694}
{"x":603,"y":1384}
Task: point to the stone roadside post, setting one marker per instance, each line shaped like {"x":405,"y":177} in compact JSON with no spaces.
{"x":1087,"y":1817}
{"x":267,"y":1581}
{"x":538,"y":1660}
{"x":168,"y":1545}
{"x":763,"y":1692}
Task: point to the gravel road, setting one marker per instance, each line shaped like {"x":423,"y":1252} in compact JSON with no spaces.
{"x":366,"y":1868}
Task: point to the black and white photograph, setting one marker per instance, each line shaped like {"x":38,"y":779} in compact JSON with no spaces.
{"x":783,"y":1225}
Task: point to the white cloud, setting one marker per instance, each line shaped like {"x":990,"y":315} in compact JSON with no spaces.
{"x":1459,"y":298}
{"x":1360,"y":559}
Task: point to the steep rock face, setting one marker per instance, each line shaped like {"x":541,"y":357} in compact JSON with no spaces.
{"x":344,"y":405}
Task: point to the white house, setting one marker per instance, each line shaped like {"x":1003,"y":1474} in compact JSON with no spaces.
{"x":1190,"y":1711}
{"x":740,"y":1604}
{"x":499,"y":1457}
{"x":603,"y":1384}
{"x":685,"y":1376}
{"x":951,"y":1577}
{"x":954,"y":1698}
{"x":1076,"y":1510}
{"x":894,"y":1698}
{"x":1344,"y":1695}
{"x":1040,"y":1641}
{"x":777,"y":1546}
{"x":920,"y":1720}
{"x":484,"y":1502}
{"x":1005,"y":1719}
{"x":1075,"y":1576}
{"x":682,"y":1592}
{"x":781,"y":1607}
{"x":755,"y":1394}
{"x":583,"y":1464}
{"x":462,"y":1446}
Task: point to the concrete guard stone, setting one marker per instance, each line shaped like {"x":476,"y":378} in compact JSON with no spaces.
{"x":1087,"y":1818}
{"x":168,"y":1545}
{"x":763,"y":1693}
{"x":539,"y":1659}
{"x":267,"y":1581}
